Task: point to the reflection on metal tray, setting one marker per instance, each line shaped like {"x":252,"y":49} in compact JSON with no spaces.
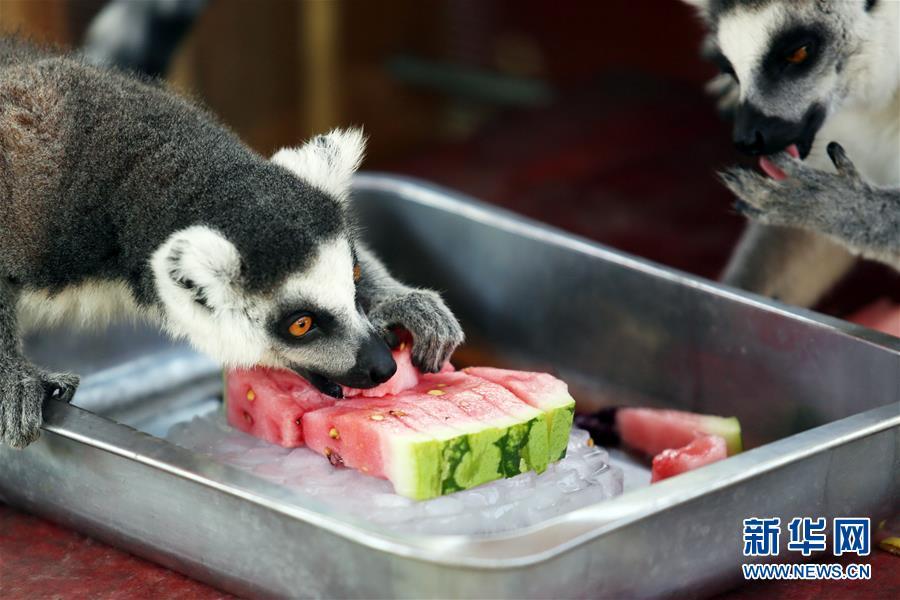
{"x":818,"y":397}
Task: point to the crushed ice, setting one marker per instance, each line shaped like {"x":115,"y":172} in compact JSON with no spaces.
{"x":583,"y":478}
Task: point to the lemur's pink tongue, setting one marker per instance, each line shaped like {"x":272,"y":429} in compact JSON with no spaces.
{"x":771,"y":170}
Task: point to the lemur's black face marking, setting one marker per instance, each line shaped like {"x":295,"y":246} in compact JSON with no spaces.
{"x":312,"y":326}
{"x":792,"y":54}
{"x":788,"y":61}
{"x":760,"y":135}
{"x":299,"y":326}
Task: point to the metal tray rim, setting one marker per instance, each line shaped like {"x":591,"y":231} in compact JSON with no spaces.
{"x":582,"y":525}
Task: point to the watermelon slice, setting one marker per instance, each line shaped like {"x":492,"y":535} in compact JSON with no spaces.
{"x":653,"y":430}
{"x":269,"y":404}
{"x":704,"y":450}
{"x":545,"y":393}
{"x":451,"y":432}
{"x":678,"y":441}
{"x":428,"y":434}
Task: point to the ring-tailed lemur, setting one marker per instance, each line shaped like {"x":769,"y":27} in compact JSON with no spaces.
{"x":117,"y":196}
{"x":810,"y":78}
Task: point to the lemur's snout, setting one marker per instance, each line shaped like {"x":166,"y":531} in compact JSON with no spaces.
{"x":374,"y":363}
{"x":758,"y":134}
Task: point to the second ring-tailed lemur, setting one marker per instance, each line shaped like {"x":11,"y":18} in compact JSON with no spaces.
{"x":805,"y":80}
{"x":117,"y":196}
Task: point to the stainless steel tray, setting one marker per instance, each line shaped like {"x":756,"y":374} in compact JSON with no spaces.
{"x":818,"y":397}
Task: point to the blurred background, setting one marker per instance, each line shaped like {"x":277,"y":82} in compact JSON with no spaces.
{"x":587,"y":115}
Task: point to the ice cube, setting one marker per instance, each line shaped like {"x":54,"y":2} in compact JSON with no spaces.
{"x":444,"y":505}
{"x":584,"y":477}
{"x":390,"y":501}
{"x":578,"y":438}
{"x":570,"y":482}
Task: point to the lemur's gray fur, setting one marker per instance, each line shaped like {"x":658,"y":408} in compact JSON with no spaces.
{"x":118,"y":196}
{"x":846,"y":91}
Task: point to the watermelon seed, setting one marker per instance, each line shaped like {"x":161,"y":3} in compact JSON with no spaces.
{"x":402,"y":346}
{"x":436,"y":392}
{"x":396,"y":413}
{"x":298,"y":422}
{"x":334,"y":434}
{"x":377,"y":417}
{"x":334,"y":458}
{"x":442,"y":385}
{"x":248,"y":417}
{"x":251,"y":395}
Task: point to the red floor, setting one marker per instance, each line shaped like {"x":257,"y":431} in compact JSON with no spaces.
{"x":41,"y":560}
{"x":633,"y":170}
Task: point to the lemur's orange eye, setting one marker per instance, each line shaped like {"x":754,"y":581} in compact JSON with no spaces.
{"x":357,"y":272}
{"x":798,"y":56}
{"x":301,"y":326}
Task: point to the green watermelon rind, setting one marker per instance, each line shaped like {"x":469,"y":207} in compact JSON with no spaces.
{"x":728,"y":428}
{"x":560,"y":415}
{"x":413,"y":471}
{"x":427,"y":465}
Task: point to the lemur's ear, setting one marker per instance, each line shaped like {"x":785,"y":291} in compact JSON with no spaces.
{"x":327,"y":161}
{"x":200,"y":267}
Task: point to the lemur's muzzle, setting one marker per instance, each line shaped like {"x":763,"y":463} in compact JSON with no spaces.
{"x":758,"y":134}
{"x":374,"y":364}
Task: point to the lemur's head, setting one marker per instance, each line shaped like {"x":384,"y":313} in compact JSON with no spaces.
{"x":795,"y":61}
{"x":269,"y":276}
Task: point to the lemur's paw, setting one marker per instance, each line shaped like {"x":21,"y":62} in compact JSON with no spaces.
{"x":60,"y":386}
{"x":807,"y":198}
{"x":23,"y":390}
{"x":436,"y":332}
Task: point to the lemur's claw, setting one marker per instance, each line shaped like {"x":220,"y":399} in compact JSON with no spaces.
{"x":435,"y":331}
{"x":60,"y":386}
{"x":391,"y":339}
{"x":842,"y":162}
{"x":746,"y":209}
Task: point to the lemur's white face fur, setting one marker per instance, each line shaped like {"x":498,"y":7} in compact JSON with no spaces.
{"x":796,"y":62}
{"x":311,"y":322}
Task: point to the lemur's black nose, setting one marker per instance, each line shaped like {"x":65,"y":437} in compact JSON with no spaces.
{"x":375,"y":360}
{"x":383,"y":372}
{"x":753,"y":146}
{"x":758,"y":134}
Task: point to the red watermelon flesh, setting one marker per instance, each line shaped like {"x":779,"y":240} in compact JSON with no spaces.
{"x":269,"y":404}
{"x":446,"y":408}
{"x":344,"y":433}
{"x":702,"y":451}
{"x":883,"y":315}
{"x":653,"y":430}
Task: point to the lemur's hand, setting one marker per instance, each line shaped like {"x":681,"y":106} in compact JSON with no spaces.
{"x":436,"y":332}
{"x":808,"y":198}
{"x":23,"y":390}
